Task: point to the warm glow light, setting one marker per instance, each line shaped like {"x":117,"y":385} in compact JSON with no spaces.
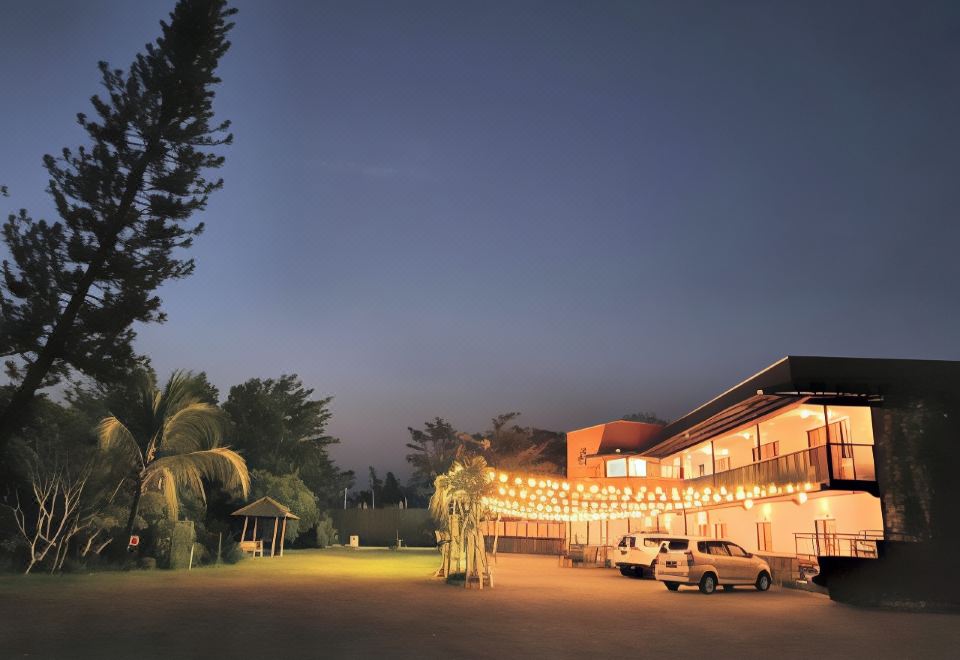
{"x":748,"y":504}
{"x":801,"y":498}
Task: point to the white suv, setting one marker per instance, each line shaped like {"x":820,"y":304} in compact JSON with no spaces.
{"x":709,"y":563}
{"x":637,"y":552}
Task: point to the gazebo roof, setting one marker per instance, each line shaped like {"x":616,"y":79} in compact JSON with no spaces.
{"x":265,"y":507}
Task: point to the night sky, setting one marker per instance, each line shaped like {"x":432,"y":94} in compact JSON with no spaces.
{"x":575,"y":210}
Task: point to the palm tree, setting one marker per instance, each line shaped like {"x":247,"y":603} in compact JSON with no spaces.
{"x":172,"y":440}
{"x":458,"y":506}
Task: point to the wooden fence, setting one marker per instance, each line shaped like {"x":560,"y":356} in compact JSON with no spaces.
{"x":381,"y":527}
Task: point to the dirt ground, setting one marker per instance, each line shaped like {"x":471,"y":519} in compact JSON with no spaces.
{"x":383,"y":604}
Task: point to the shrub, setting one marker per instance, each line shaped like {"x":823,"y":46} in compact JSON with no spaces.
{"x":326,"y":534}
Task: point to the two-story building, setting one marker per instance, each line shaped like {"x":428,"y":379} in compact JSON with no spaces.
{"x":810,"y":457}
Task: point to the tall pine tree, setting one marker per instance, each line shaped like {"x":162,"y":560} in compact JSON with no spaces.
{"x":75,"y":287}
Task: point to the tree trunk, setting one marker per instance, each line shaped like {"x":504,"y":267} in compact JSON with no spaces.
{"x":134,"y":508}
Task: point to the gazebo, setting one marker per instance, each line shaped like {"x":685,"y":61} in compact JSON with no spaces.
{"x":267,"y":508}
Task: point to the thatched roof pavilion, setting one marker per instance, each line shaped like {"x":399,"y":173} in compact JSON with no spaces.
{"x":265,"y":507}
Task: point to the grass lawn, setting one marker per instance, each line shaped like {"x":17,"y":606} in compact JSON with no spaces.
{"x":380,"y":603}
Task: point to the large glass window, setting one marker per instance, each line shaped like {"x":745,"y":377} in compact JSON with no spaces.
{"x":735,"y":449}
{"x":637,"y":467}
{"x":789,"y":432}
{"x":617,"y":467}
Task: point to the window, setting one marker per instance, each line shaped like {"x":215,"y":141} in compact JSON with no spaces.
{"x":723,"y":464}
{"x":651,"y":542}
{"x":670,"y":471}
{"x":637,"y":467}
{"x":617,"y":467}
{"x":719,"y":530}
{"x":702,"y":530}
{"x":769,"y":450}
{"x":764,"y":537}
{"x":716,"y":548}
{"x":627,"y":542}
{"x":736,"y":551}
{"x":679,"y":544}
{"x":702,"y":469}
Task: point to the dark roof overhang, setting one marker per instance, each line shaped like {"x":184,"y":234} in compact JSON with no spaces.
{"x":853,"y":381}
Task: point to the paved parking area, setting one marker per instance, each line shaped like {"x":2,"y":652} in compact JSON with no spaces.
{"x":331,"y":604}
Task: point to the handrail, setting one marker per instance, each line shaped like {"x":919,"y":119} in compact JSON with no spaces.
{"x":806,"y":465}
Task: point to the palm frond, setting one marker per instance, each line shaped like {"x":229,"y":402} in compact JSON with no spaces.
{"x":168,"y":487}
{"x":220,"y":464}
{"x":194,"y":427}
{"x":111,"y":433}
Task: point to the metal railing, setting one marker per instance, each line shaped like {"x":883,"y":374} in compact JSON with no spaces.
{"x":831,"y":544}
{"x":809,"y":465}
{"x":849,"y":462}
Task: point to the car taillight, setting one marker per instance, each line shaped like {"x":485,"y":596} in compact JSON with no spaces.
{"x":689,"y":556}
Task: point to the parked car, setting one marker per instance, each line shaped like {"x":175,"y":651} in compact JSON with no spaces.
{"x":637,"y":552}
{"x":710,"y":563}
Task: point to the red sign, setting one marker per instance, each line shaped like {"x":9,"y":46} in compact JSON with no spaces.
{"x":134,"y":541}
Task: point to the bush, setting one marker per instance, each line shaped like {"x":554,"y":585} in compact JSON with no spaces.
{"x":326,"y":534}
{"x":232,"y":553}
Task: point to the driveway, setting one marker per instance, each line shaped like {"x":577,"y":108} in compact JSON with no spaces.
{"x":376,"y":604}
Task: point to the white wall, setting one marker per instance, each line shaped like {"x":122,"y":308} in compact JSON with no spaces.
{"x":853,"y":512}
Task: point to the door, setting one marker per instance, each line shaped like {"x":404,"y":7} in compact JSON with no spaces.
{"x":720,"y":558}
{"x":741,"y":564}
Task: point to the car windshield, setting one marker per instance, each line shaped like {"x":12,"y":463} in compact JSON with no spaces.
{"x":627,"y":542}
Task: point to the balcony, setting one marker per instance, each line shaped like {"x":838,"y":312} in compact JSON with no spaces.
{"x":851,"y":464}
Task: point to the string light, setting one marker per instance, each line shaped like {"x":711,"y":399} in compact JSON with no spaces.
{"x":571,"y":501}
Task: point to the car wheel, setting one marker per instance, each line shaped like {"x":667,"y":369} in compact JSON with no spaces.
{"x":639,"y":572}
{"x":672,"y":586}
{"x":728,"y":587}
{"x":708,"y":583}
{"x":626,"y":571}
{"x":763,"y":581}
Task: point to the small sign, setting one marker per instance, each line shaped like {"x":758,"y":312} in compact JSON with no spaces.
{"x":134,"y":541}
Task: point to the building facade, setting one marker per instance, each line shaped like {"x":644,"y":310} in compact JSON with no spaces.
{"x":812,"y":457}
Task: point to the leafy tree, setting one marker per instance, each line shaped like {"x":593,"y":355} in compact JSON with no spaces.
{"x":281,"y":429}
{"x":513,"y":447}
{"x":646,"y":418}
{"x":63,"y":493}
{"x":391,"y":493}
{"x":376,"y":487}
{"x":434,"y":449}
{"x":75,"y":287}
{"x":172,"y":440}
{"x":289,"y":490}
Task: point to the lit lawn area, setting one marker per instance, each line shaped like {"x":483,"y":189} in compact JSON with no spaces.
{"x":379,"y":603}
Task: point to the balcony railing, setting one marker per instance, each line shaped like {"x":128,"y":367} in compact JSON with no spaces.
{"x":829,"y":544}
{"x":850,"y":462}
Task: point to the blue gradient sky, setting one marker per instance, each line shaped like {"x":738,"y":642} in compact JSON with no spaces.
{"x":572,"y":210}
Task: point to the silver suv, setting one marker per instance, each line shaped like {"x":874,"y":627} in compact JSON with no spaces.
{"x":711,"y":563}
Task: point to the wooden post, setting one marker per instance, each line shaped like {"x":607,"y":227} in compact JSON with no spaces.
{"x":273,"y":543}
{"x":283,"y":533}
{"x":244,"y":532}
{"x":254,"y":537}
